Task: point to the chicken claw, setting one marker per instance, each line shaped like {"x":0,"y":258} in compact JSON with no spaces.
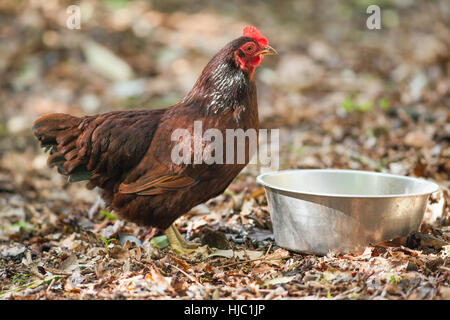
{"x":177,"y":241}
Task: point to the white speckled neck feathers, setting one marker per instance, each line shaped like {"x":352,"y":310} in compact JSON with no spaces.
{"x":223,"y":86}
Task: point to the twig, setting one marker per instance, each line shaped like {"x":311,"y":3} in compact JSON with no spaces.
{"x":268,"y":250}
{"x":31,"y":285}
{"x":50,"y":285}
{"x":239,"y":262}
{"x":186,"y":274}
{"x":252,"y":260}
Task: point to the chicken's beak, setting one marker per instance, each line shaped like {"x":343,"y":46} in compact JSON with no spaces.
{"x":268,"y":50}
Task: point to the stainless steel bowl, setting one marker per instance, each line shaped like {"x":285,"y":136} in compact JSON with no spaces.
{"x":316,"y":211}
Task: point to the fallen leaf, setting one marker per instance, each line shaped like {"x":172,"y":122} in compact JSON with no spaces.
{"x":278,"y":254}
{"x":70,"y":263}
{"x":241,"y":254}
{"x":417,"y":139}
{"x":214,"y":239}
{"x":418,"y":239}
{"x":279,"y":280}
{"x":119,"y":252}
{"x":444,"y":293}
{"x":123,"y":238}
{"x":160,"y":242}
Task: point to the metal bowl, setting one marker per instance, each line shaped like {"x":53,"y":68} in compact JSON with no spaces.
{"x":317,"y":211}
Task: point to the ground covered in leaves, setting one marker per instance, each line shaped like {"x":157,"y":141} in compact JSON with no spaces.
{"x":342,"y":96}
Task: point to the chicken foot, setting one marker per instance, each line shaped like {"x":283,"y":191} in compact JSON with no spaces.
{"x":177,"y":241}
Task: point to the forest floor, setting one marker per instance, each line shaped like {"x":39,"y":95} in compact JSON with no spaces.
{"x":343,"y":97}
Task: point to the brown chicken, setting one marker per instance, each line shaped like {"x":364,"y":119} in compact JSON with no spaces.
{"x":127,"y":154}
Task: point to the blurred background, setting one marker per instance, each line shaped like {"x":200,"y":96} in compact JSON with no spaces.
{"x":342,"y":95}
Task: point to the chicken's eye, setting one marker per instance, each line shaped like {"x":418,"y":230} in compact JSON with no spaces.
{"x":249,"y":48}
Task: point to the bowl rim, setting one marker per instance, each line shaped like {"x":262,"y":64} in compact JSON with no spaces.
{"x":435,"y":186}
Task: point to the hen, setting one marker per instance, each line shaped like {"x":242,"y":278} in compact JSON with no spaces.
{"x":127,"y":154}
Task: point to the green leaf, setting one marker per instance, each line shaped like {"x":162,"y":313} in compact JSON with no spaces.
{"x":108,"y":215}
{"x":230,"y":193}
{"x":32,"y":285}
{"x":348,"y":104}
{"x":116,"y":4}
{"x":384,"y":104}
{"x":394,"y":279}
{"x":49,"y":280}
{"x":24,"y":225}
{"x":300,"y":150}
{"x":106,"y":242}
{"x":160,"y":242}
{"x":329,"y":296}
{"x":20,"y":278}
{"x":365,"y":106}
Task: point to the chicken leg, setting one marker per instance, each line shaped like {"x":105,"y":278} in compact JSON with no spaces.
{"x":177,"y":241}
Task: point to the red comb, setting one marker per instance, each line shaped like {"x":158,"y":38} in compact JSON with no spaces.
{"x":252,"y":32}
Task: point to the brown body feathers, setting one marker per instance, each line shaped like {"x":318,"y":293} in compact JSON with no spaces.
{"x":127,"y":154}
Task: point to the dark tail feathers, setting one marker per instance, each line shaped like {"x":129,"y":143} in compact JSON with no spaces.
{"x":58,"y":132}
